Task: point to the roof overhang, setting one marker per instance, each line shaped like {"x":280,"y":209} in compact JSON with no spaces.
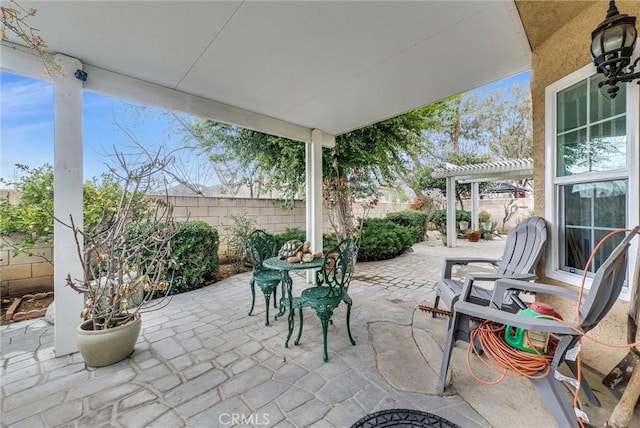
{"x":333,"y":66}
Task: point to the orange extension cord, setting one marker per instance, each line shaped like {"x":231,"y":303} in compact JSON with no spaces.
{"x":511,"y":362}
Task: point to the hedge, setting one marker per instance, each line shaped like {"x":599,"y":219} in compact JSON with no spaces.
{"x":382,"y":240}
{"x":414,"y":221}
{"x":291,"y":233}
{"x":194,"y":252}
{"x":439,"y":217}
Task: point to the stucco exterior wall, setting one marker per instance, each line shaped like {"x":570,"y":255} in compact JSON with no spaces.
{"x":564,"y":52}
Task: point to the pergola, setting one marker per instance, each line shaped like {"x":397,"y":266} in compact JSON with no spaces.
{"x":303,"y":70}
{"x":474,"y":174}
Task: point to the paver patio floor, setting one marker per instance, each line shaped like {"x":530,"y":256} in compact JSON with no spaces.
{"x":202,"y":362}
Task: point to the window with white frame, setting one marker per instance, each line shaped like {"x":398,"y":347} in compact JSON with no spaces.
{"x":590,"y":177}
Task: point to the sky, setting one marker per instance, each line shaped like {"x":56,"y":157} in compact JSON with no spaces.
{"x":26,"y":124}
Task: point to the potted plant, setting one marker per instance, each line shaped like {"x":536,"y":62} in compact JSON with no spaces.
{"x":473,"y":235}
{"x":124,"y":259}
{"x":488,"y":234}
{"x":484,"y":217}
{"x":463,"y":225}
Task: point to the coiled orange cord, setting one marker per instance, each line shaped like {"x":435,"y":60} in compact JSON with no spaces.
{"x":508,"y":361}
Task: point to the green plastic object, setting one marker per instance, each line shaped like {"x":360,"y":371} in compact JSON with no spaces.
{"x":535,"y":342}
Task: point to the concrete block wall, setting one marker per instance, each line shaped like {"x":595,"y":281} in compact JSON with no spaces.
{"x":22,"y":274}
{"x":495,"y":207}
{"x":269,"y":214}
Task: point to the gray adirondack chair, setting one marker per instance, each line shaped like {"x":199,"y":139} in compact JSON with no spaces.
{"x":523,"y":247}
{"x":604,"y":291}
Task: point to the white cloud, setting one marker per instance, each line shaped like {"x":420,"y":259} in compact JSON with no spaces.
{"x":25,"y":98}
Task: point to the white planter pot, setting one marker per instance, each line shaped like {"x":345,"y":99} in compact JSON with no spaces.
{"x":104,"y":347}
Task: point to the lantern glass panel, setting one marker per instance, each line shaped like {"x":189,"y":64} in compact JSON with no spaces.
{"x":613,"y":38}
{"x":630,"y":39}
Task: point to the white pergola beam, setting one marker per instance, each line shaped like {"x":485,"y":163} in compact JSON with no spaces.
{"x":474,"y":174}
{"x":503,"y":169}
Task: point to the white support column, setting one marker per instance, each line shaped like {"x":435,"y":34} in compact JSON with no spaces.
{"x":314,"y":193}
{"x":452,"y":234}
{"x":67,"y":189}
{"x":475,"y":204}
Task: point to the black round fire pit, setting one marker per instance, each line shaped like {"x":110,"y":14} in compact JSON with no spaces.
{"x":403,"y":418}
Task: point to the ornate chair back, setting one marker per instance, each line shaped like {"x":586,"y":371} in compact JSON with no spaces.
{"x":260,"y":246}
{"x":339,"y":264}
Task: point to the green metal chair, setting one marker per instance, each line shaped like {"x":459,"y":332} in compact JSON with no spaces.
{"x":259,"y":247}
{"x":337,"y":271}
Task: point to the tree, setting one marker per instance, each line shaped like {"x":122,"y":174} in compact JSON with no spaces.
{"x":366,"y":158}
{"x":438,"y":132}
{"x":458,"y":127}
{"x":13,"y":21}
{"x":507,"y":123}
{"x":473,"y":130}
{"x":30,"y":221}
{"x":217,"y":142}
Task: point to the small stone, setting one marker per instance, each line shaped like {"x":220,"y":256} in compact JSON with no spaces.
{"x":49,"y":315}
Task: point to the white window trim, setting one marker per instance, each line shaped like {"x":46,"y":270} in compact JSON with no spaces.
{"x":552,"y":208}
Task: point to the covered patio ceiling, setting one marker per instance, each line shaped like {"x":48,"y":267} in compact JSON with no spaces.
{"x":304,"y":70}
{"x":333,"y":66}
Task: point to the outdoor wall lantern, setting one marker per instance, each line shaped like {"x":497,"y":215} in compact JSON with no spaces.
{"x":612,"y":44}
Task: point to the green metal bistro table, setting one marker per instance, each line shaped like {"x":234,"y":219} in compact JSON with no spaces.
{"x":287,"y":300}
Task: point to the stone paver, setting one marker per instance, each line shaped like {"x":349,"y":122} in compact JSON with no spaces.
{"x":202,"y":362}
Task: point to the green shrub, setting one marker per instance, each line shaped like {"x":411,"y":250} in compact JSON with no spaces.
{"x":194,"y":250}
{"x":463,"y":216}
{"x":439,"y":217}
{"x":30,"y":221}
{"x":291,"y":233}
{"x":415,"y":221}
{"x":236,"y":235}
{"x":194,"y":254}
{"x":329,"y":241}
{"x":382,"y":240}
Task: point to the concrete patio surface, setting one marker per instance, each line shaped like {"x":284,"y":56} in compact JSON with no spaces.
{"x":202,"y":362}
